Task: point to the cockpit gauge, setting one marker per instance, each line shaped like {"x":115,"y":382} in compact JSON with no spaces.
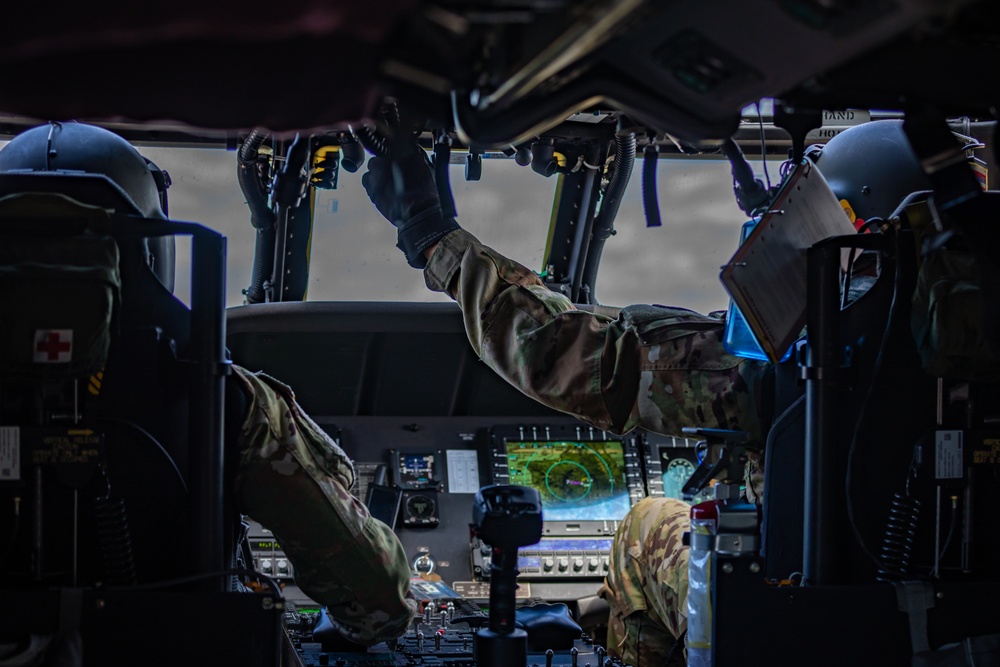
{"x":679,"y":470}
{"x":678,"y":466}
{"x":415,"y":470}
{"x":420,"y":509}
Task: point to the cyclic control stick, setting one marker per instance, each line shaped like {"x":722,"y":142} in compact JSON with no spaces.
{"x":505,"y":518}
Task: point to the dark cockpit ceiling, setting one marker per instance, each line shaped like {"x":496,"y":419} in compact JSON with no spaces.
{"x":496,"y":70}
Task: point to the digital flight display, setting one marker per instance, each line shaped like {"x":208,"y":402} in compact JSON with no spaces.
{"x":578,"y":481}
{"x":415,"y":470}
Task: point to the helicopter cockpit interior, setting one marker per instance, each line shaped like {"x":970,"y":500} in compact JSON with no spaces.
{"x":618,"y":149}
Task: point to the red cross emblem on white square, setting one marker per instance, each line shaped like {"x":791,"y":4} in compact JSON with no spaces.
{"x":53,"y":346}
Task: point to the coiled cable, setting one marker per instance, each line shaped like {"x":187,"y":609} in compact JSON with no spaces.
{"x":898,"y":541}
{"x":371,"y":140}
{"x":376,"y":137}
{"x":115,"y":540}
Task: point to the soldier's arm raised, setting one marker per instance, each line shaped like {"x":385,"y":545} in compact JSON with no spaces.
{"x":637,"y":370}
{"x":654,"y":367}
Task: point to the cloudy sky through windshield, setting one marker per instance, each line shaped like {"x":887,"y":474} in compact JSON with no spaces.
{"x":353,"y":249}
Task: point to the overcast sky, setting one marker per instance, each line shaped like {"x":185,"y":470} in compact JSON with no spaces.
{"x":353,"y":249}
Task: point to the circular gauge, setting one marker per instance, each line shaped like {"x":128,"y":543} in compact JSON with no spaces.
{"x":420,"y":508}
{"x":680,"y":470}
{"x":675,"y":476}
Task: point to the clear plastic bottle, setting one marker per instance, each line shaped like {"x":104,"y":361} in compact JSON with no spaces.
{"x":704,"y":524}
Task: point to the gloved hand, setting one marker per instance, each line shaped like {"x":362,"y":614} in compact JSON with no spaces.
{"x":402,"y":189}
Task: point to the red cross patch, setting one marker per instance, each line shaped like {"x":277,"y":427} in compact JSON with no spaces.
{"x":53,"y":346}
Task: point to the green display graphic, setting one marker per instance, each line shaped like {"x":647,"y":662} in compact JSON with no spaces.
{"x":576,"y":480}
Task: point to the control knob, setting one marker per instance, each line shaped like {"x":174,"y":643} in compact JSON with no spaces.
{"x":578,"y":564}
{"x":548,"y":563}
{"x":593,"y":563}
{"x":424,"y":563}
{"x":563,"y":563}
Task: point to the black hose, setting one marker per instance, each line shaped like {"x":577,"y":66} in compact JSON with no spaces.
{"x":650,"y":198}
{"x":263,"y":263}
{"x":442,"y":179}
{"x":604,"y":223}
{"x":352,"y":156}
{"x":624,"y":161}
{"x":253,"y":189}
{"x":261,"y":216}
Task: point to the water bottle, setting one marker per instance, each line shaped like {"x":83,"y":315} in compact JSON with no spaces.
{"x":701,"y":540}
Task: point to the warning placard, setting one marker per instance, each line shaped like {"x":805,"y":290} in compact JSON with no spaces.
{"x":67,"y":446}
{"x":948,"y":461}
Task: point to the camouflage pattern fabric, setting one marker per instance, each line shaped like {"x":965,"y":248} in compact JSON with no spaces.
{"x":647,"y":583}
{"x":753,"y":478}
{"x":294,"y":479}
{"x":656,"y":367}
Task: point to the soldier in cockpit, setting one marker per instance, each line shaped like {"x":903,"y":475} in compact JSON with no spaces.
{"x":653,"y":367}
{"x":289,"y":474}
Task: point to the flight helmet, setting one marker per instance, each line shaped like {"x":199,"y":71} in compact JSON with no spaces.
{"x":93,"y":166}
{"x":872,"y":167}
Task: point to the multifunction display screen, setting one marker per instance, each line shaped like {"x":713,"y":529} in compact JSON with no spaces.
{"x":415,"y":470}
{"x":578,"y":481}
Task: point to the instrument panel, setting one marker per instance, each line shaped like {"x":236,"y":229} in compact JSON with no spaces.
{"x":427,"y":425}
{"x":424,"y":484}
{"x":587,"y":479}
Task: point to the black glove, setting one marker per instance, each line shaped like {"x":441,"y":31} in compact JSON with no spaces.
{"x":402,"y":189}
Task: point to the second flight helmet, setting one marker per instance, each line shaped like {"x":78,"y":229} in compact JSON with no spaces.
{"x":872,"y":167}
{"x":93,"y":166}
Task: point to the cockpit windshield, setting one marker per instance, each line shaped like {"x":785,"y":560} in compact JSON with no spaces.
{"x":352,"y":257}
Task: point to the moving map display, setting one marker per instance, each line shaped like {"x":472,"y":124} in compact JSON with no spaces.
{"x":578,"y":481}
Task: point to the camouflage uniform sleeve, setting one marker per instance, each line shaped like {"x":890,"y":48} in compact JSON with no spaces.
{"x":294,"y":479}
{"x":656,"y":367}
